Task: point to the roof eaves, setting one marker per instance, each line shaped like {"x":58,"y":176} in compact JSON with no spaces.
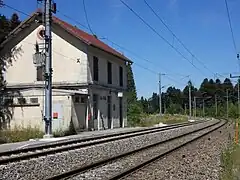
{"x":69,"y":31}
{"x":114,"y":54}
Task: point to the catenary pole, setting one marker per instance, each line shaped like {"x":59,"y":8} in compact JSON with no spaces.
{"x":48,"y":69}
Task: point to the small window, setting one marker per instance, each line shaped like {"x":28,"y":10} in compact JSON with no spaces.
{"x":82,"y":100}
{"x":76,"y":99}
{"x":40,"y":73}
{"x":109,"y":72}
{"x":95,"y":68}
{"x":34,"y":100}
{"x":8,"y":101}
{"x":22,"y":100}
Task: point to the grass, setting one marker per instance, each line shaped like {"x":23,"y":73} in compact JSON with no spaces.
{"x":20,"y":134}
{"x":230,"y":162}
{"x":150,"y":120}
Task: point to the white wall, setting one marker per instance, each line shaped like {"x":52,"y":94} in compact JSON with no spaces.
{"x":65,"y":55}
{"x":32,"y":116}
{"x":103,"y":59}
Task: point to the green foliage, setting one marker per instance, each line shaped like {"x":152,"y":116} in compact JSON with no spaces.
{"x":70,"y":131}
{"x":150,"y":120}
{"x":20,"y":134}
{"x":134,"y":114}
{"x":175,"y":109}
{"x":131,"y":87}
{"x":230,"y":162}
{"x":175,"y":101}
{"x":6,"y":58}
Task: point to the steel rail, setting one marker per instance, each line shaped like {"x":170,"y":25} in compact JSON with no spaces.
{"x":23,"y":154}
{"x":131,"y":170}
{"x":100,"y":163}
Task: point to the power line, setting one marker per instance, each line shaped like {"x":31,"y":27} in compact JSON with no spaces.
{"x":175,"y":36}
{"x":143,"y":67}
{"x":124,"y":48}
{"x":85,"y":12}
{"x":74,"y":20}
{"x":138,"y":56}
{"x":10,"y":7}
{"x":155,"y":31}
{"x":230,"y":25}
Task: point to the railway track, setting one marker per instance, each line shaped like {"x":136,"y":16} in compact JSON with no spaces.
{"x":131,"y":161}
{"x":61,"y":146}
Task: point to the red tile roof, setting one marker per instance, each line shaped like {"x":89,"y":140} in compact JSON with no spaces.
{"x":87,"y":38}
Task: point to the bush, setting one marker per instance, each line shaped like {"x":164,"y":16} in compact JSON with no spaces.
{"x":134,"y":114}
{"x":20,"y":134}
{"x":175,"y":109}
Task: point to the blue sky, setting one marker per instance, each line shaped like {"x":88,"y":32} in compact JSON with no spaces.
{"x":201,"y":25}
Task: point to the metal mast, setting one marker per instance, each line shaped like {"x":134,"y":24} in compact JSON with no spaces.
{"x":190,"y":99}
{"x":48,"y":69}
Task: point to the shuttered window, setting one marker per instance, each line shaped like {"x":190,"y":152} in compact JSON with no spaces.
{"x":95,"y":68}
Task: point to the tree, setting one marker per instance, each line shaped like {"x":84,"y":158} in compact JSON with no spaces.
{"x":14,"y":21}
{"x":131,"y":87}
{"x":133,"y":107}
{"x":6,"y":57}
{"x":144,"y":104}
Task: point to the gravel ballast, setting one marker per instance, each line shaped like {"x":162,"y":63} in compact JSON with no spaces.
{"x":200,"y":160}
{"x":110,"y":169}
{"x":43,"y":167}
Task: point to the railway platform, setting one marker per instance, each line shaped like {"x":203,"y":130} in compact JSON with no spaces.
{"x":81,"y":135}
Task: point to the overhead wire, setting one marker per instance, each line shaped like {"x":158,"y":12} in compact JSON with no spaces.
{"x":159,"y":35}
{"x":116,"y":44}
{"x":175,"y":36}
{"x":86,"y":16}
{"x":230,"y":25}
{"x":10,"y":7}
{"x":150,"y":70}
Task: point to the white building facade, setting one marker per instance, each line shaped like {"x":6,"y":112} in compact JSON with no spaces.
{"x":89,"y":78}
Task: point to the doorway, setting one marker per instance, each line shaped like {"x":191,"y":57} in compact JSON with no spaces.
{"x":120,"y":112}
{"x":109,"y":111}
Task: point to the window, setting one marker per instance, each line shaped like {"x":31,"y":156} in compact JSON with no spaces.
{"x":8,"y":101}
{"x":95,"y":68}
{"x":34,"y":100}
{"x":120,"y":76}
{"x":77,"y":100}
{"x":109,"y":69}
{"x":40,"y":73}
{"x":82,"y":100}
{"x":22,"y":100}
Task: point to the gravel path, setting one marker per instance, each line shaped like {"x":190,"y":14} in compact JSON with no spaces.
{"x":199,"y":160}
{"x":117,"y":166}
{"x":42,"y":167}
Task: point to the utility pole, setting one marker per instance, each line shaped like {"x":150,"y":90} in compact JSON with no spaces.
{"x":185,"y":109}
{"x":216,"y":105}
{"x":216,"y":108}
{"x":195,"y":107}
{"x":160,"y":93}
{"x":203,"y":108}
{"x":227,"y":103}
{"x":238,"y":77}
{"x":190,"y":99}
{"x":48,"y":9}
